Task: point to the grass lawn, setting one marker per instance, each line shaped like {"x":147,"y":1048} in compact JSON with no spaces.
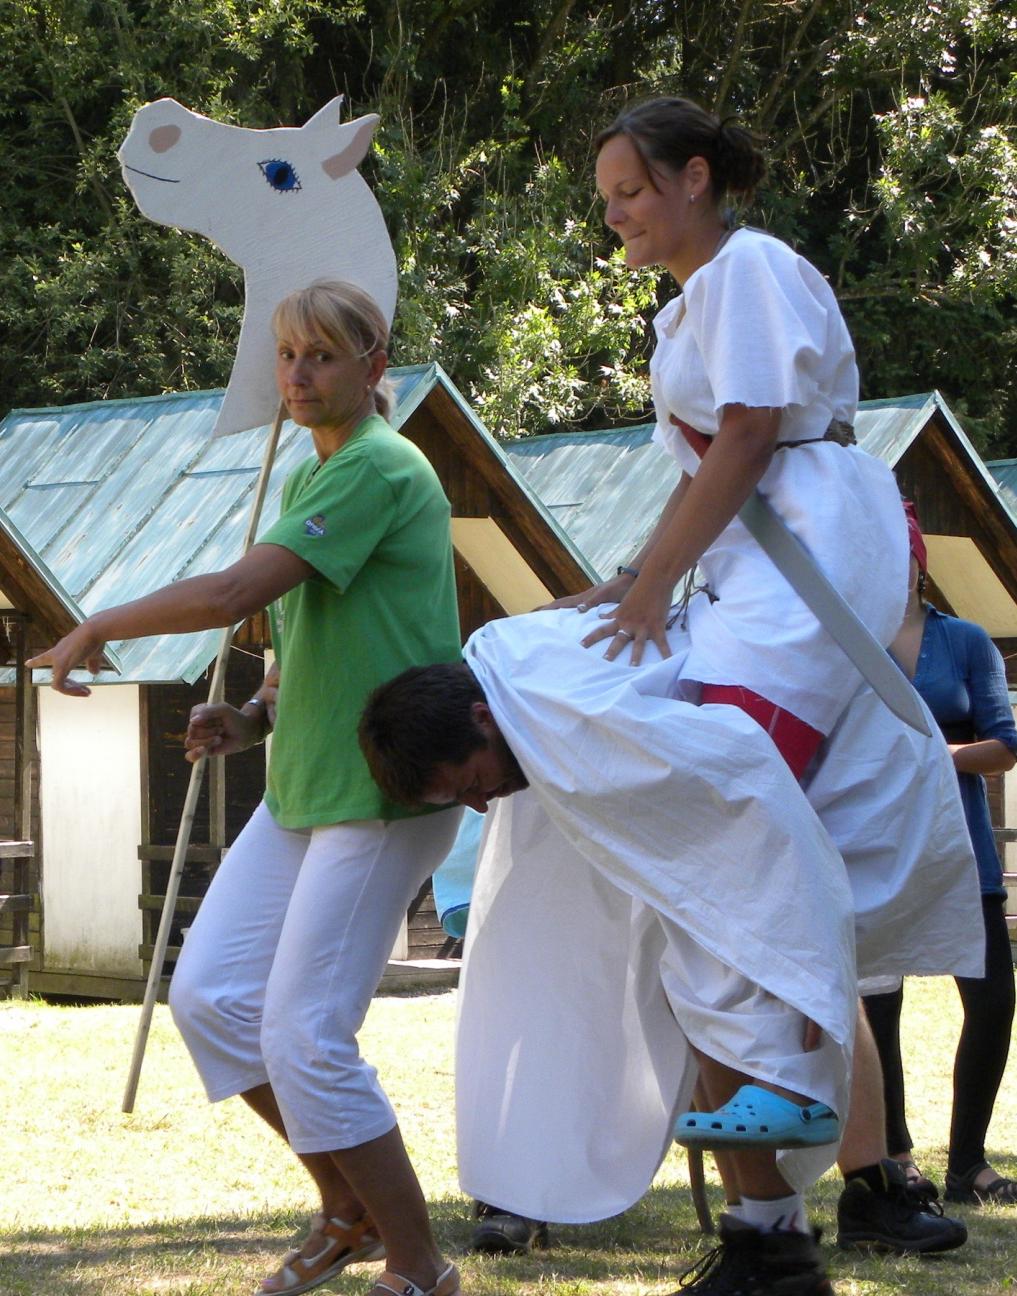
{"x":182,"y":1197}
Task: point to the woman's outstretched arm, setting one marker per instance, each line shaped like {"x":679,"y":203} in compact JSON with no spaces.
{"x":224,"y":598}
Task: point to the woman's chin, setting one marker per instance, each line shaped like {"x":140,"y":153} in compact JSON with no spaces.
{"x":302,"y":415}
{"x":635,"y":260}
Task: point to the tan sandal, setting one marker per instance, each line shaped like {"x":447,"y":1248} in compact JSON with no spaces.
{"x":394,"y":1285}
{"x":345,"y":1244}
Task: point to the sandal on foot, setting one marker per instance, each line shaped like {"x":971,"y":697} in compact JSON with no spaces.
{"x":345,"y":1244}
{"x":997,"y":1192}
{"x":394,"y":1285}
{"x":755,"y":1117}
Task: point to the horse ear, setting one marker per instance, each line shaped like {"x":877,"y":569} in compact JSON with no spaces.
{"x":349,"y":158}
{"x":328,"y":116}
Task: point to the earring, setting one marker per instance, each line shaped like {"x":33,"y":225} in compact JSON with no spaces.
{"x":692,"y":198}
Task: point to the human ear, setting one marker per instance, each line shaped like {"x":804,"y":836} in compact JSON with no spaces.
{"x":483,"y":718}
{"x":697,"y":176}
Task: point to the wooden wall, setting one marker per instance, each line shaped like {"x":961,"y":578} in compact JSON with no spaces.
{"x":478,"y":485}
{"x":952,"y":500}
{"x":19,"y":876}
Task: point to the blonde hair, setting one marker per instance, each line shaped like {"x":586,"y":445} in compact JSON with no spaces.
{"x":343,"y":315}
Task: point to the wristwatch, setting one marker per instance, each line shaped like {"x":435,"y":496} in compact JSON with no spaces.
{"x":262,"y":706}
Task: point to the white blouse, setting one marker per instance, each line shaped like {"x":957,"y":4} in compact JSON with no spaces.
{"x":757,"y":325}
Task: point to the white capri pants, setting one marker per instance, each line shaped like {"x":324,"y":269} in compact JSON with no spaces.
{"x":286,"y":951}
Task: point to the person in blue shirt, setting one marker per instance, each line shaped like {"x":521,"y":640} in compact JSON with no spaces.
{"x":959,"y":672}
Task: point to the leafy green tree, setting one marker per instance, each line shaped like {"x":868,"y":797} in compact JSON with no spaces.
{"x":892,"y":127}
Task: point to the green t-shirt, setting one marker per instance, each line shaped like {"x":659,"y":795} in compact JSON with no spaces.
{"x":373,"y":522}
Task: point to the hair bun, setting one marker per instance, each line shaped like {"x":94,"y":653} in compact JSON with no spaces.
{"x":740,"y":161}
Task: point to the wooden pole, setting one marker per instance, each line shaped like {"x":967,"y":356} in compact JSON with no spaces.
{"x":215,"y":692}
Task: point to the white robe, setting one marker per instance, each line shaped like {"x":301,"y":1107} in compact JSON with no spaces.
{"x":660,"y":844}
{"x":758,"y":325}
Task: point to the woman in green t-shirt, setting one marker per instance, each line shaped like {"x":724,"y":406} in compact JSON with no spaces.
{"x":291,"y":940}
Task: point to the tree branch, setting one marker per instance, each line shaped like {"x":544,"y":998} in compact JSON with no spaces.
{"x":550,"y":34}
{"x":764,"y":116}
{"x":97,"y":189}
{"x":806,"y":124}
{"x":734,"y":58}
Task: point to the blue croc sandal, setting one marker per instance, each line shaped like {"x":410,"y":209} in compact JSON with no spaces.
{"x":755,"y":1117}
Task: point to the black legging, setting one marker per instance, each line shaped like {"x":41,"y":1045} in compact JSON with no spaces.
{"x":982,"y":1049}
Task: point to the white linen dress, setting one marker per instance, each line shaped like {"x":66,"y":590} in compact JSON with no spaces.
{"x":759,"y":326}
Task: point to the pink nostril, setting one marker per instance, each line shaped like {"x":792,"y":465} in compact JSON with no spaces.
{"x":163,"y":138}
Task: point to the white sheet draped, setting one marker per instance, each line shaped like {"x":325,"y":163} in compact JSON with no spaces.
{"x":664,"y":849}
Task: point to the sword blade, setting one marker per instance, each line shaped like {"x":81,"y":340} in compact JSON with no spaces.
{"x":799,"y":569}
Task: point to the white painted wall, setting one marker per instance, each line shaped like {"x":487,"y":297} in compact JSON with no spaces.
{"x":91,"y":827}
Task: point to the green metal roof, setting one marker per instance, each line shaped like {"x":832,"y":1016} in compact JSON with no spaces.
{"x":113,"y":499}
{"x":606,"y":489}
{"x":887,"y":427}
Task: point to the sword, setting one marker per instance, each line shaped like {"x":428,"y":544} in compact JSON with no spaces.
{"x":799,"y":569}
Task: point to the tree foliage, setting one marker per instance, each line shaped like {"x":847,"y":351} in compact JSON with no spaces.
{"x":891,"y":124}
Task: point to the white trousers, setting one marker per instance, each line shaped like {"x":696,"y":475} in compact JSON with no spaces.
{"x":278,"y":969}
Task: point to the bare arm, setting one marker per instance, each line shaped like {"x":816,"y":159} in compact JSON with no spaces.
{"x":695,"y":516}
{"x":265,"y":573}
{"x":990,"y":756}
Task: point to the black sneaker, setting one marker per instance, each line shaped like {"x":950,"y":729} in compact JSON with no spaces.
{"x":900,"y":1218}
{"x":750,"y":1263}
{"x":503,"y":1233}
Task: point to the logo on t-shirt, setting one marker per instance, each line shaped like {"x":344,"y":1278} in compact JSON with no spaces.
{"x":315,"y":526}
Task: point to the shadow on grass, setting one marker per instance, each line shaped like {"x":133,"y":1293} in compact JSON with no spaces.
{"x":648,"y":1244}
{"x":646,"y":1248}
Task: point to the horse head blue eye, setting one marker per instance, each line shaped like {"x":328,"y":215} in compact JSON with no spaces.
{"x":280,"y":175}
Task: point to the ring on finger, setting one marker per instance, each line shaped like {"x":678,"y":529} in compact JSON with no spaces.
{"x":625,"y":634}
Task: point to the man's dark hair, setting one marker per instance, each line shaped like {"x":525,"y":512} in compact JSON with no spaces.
{"x":416,"y":722}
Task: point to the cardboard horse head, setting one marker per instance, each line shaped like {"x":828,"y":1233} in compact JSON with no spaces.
{"x":287,"y":205}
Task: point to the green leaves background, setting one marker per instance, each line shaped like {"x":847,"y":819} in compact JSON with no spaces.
{"x":892,"y":126}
